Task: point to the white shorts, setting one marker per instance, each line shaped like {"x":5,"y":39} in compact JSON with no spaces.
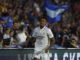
{"x":42,"y":55}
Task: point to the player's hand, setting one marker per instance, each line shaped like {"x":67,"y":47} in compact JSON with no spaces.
{"x":47,"y":49}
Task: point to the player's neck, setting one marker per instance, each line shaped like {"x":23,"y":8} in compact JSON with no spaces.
{"x":41,"y":27}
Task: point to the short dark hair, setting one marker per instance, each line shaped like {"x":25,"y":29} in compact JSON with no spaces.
{"x":43,"y":18}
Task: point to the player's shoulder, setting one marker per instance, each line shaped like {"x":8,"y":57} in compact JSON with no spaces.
{"x":47,"y":28}
{"x":36,"y":28}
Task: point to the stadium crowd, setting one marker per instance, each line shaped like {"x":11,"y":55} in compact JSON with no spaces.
{"x":18,"y":18}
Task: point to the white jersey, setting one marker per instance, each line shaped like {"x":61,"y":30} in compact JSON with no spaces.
{"x":42,"y":36}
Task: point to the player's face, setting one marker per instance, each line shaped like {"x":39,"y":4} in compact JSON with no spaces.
{"x":43,"y":22}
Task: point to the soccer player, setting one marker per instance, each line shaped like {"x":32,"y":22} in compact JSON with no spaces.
{"x":44,"y":39}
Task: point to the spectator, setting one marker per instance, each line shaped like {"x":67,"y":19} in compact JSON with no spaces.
{"x":6,"y":38}
{"x":74,"y":41}
{"x":21,"y":37}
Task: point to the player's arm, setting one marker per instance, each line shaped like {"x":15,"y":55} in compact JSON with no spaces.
{"x":52,"y":42}
{"x":33,"y":38}
{"x":51,"y":39}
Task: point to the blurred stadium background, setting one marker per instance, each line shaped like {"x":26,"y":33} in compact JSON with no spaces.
{"x":18,"y":18}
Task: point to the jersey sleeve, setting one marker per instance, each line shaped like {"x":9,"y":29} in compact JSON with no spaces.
{"x":50,"y":34}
